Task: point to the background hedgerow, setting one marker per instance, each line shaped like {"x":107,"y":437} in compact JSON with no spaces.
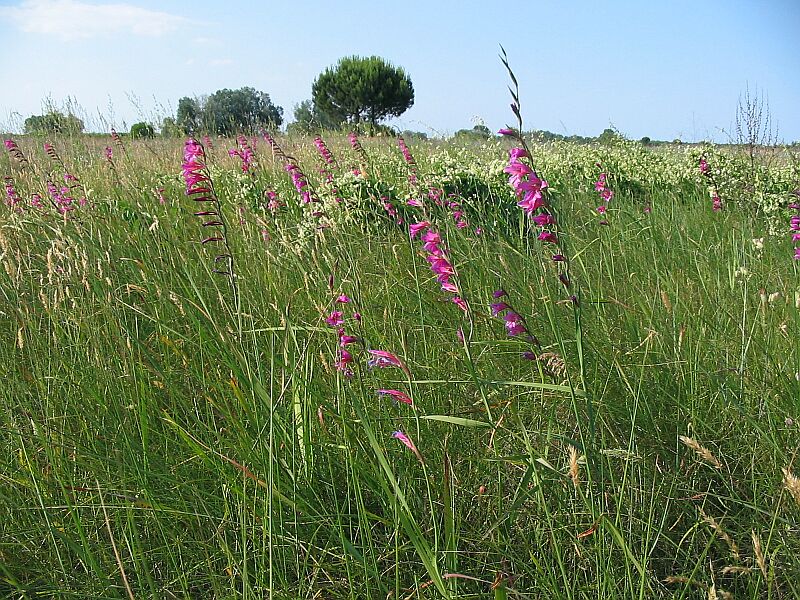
{"x":161,"y":438}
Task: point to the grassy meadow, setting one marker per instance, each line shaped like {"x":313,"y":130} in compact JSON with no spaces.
{"x":627,"y":426}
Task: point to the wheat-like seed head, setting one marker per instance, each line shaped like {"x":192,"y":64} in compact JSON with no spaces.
{"x":735,"y":570}
{"x":666,"y":302}
{"x":792,"y":484}
{"x":701,"y":451}
{"x":717,"y":528}
{"x":574,"y":469}
{"x":757,"y":550}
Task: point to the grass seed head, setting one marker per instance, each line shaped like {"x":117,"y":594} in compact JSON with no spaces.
{"x":704,"y":453}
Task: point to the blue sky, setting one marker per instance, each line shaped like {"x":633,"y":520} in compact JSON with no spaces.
{"x":660,"y":69}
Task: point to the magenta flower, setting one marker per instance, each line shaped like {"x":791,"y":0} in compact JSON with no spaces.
{"x":335,"y":318}
{"x":498,"y":307}
{"x":193,"y":168}
{"x":383,"y":359}
{"x":460,"y":303}
{"x":415,"y":228}
{"x":345,"y":340}
{"x":12,"y":197}
{"x":548,"y":236}
{"x":324,"y":151}
{"x":397,"y":395}
{"x":343,"y":361}
{"x":507,"y":131}
{"x":514,"y":323}
{"x":343,"y":299}
{"x":794,"y":225}
{"x":406,"y":441}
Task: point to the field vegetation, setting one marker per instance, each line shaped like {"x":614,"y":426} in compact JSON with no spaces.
{"x":349,"y":367}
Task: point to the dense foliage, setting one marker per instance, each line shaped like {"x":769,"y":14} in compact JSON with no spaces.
{"x":228,"y":112}
{"x":53,"y":122}
{"x":363,"y":89}
{"x":142,"y":131}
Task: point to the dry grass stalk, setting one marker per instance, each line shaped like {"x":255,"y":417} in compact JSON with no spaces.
{"x":712,"y":522}
{"x":736,"y":570}
{"x":792,"y":484}
{"x":666,"y":302}
{"x":759,"y":552}
{"x":701,"y":451}
{"x":574,"y":469}
{"x":675,"y":579}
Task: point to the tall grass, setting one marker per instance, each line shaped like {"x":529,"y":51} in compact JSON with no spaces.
{"x":161,"y":438}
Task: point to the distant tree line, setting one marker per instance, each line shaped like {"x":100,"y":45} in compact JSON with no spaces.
{"x":357,"y":93}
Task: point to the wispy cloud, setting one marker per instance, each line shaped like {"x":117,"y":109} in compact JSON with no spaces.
{"x":72,"y":19}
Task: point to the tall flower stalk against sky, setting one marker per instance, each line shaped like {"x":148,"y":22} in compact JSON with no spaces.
{"x":200,"y":188}
{"x":534,"y":199}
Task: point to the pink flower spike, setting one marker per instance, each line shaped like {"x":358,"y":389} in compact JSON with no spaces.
{"x":548,"y":236}
{"x":343,"y":299}
{"x":413,"y":202}
{"x":397,"y":395}
{"x":543,"y":220}
{"x":335,"y":319}
{"x":460,"y":302}
{"x":406,"y":441}
{"x":344,"y":340}
{"x":507,"y":131}
{"x":383,"y":359}
{"x":415,"y":228}
{"x":517,"y":153}
{"x":498,"y":307}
